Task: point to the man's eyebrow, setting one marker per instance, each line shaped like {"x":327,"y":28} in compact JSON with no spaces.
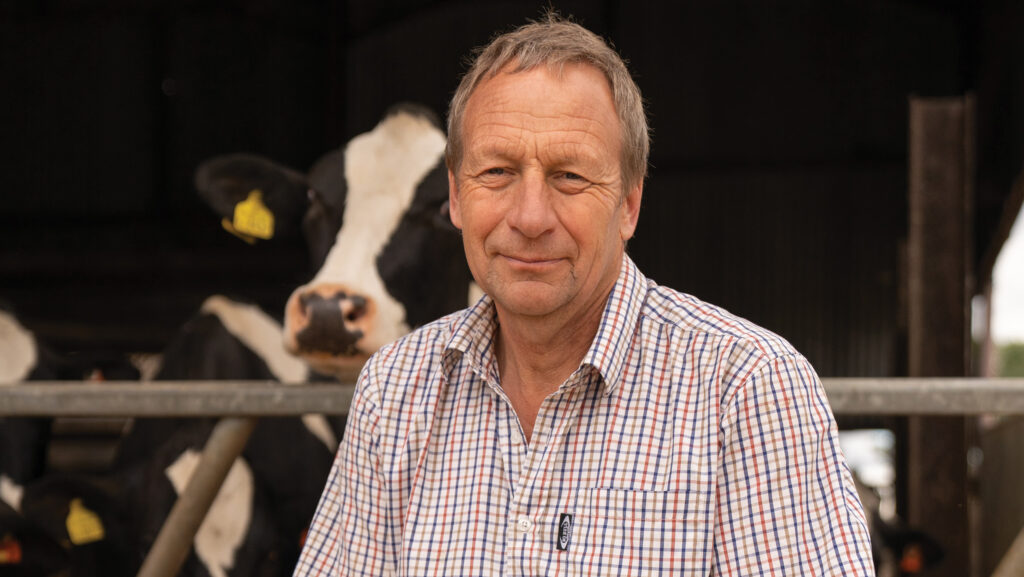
{"x":494,"y":148}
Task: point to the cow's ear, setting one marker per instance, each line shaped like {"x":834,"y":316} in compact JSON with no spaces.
{"x":256,"y":187}
{"x":454,"y":208}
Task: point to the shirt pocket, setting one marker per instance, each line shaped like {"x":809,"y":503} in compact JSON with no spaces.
{"x":640,"y":532}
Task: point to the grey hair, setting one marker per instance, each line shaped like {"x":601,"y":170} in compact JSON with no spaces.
{"x":555,"y":42}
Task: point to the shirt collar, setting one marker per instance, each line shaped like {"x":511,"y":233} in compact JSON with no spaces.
{"x":474,"y":331}
{"x":608,"y":352}
{"x":473,"y":337}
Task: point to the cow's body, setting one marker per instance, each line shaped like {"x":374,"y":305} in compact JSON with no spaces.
{"x":241,"y":534}
{"x":35,"y":506}
{"x":273,"y":488}
{"x":23,"y":441}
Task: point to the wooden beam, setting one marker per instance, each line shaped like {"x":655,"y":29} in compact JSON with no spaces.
{"x":939,"y":287}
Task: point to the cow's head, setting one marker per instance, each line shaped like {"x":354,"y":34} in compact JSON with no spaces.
{"x":376,"y":217}
{"x":397,"y":260}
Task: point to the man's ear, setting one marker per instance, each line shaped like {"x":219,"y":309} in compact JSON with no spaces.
{"x":630,"y":212}
{"x":454,"y":208}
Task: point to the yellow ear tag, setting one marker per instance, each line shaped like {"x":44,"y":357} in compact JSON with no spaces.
{"x":231,"y":228}
{"x":253,"y":218}
{"x":83,"y":525}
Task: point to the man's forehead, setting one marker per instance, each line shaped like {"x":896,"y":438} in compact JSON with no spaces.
{"x":542,"y":99}
{"x":558,"y":71}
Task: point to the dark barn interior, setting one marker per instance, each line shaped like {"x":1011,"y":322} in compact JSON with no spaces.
{"x":778,"y":185}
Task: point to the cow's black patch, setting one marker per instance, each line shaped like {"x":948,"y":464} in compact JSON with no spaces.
{"x":422,"y":264}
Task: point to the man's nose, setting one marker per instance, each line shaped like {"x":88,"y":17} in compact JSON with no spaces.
{"x":532,"y":213}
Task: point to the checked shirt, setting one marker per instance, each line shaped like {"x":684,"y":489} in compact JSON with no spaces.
{"x":688,"y":442}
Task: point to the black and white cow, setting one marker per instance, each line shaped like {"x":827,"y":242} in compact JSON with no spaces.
{"x":24,"y":440}
{"x":241,"y":535}
{"x":269,"y":496}
{"x":68,"y":525}
{"x":392,"y":262}
{"x":36,"y":512}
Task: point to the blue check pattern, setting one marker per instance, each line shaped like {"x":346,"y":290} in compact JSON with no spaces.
{"x":688,"y":442}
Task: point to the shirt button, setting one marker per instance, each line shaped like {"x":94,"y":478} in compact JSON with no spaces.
{"x":524,"y":525}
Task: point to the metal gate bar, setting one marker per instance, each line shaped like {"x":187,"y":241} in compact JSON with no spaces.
{"x":853,"y":396}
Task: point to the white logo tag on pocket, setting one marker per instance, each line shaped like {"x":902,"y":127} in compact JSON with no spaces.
{"x":564,"y":531}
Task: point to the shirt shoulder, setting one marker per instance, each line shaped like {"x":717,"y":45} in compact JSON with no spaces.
{"x":424,"y":346}
{"x":689,"y":315}
{"x":403,"y":373}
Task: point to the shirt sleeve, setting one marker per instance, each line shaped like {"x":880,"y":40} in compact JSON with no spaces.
{"x":787,"y":504}
{"x":349,"y":532}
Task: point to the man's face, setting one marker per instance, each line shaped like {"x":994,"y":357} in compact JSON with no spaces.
{"x":538,"y":194}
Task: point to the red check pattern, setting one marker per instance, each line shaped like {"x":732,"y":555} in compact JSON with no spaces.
{"x":688,"y":442}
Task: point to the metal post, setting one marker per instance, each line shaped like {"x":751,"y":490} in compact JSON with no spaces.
{"x":174,"y":541}
{"x":940,"y":179}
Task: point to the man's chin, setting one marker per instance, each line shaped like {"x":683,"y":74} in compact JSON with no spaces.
{"x":540,"y":300}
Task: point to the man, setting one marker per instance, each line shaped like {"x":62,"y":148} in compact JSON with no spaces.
{"x":579,"y":419}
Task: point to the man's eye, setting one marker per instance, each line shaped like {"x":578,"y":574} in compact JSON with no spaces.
{"x":495,"y":171}
{"x":573,"y":176}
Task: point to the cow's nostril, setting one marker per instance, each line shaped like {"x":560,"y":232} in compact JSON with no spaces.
{"x":304,"y":301}
{"x":357,"y":310}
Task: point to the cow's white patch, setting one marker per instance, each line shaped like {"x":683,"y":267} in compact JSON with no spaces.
{"x":11,"y":492}
{"x":383,"y":167}
{"x":262,"y":334}
{"x":18,"y":354}
{"x":225,"y":526}
{"x":148,"y":364}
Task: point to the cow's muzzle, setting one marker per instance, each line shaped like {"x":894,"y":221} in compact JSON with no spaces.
{"x":327,"y":320}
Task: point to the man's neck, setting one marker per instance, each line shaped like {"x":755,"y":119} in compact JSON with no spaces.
{"x":536,"y":355}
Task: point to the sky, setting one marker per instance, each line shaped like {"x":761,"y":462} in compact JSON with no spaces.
{"x":1008,"y":288}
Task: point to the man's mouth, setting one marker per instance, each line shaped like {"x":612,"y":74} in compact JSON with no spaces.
{"x":530,"y":261}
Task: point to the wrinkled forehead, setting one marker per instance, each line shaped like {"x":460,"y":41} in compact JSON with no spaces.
{"x":536,"y":107}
